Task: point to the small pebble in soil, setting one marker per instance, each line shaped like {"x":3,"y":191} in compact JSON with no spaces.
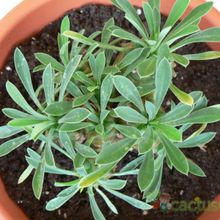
{"x":139,"y":12}
{"x":8,"y":68}
{"x":145,"y":213}
{"x":65,"y":215}
{"x":59,"y":212}
{"x":181,"y":192}
{"x":47,"y":193}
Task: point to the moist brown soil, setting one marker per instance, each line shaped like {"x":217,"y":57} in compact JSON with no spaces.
{"x":203,"y":76}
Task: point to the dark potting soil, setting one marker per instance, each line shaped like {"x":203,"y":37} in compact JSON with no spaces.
{"x":204,"y":76}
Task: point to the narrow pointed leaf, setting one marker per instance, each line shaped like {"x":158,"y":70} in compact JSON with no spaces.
{"x":23,"y":71}
{"x":47,"y":59}
{"x":8,"y":131}
{"x":128,"y":131}
{"x":38,"y":179}
{"x":128,"y":90}
{"x":176,"y":157}
{"x":58,"y":108}
{"x":95,"y":175}
{"x":19,"y":100}
{"x":146,"y":172}
{"x":75,"y":116}
{"x":162,"y":82}
{"x":48,"y":84}
{"x":67,"y":75}
{"x":113,"y":152}
{"x":130,"y":115}
{"x":12,"y":144}
{"x":106,"y":91}
{"x":182,"y":96}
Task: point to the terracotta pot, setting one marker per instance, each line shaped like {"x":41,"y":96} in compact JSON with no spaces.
{"x":30,"y":17}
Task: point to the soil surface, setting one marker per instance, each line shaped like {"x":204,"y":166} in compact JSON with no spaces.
{"x":203,"y":76}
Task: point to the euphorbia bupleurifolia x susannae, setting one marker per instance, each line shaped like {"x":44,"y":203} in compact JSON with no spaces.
{"x":103,"y":98}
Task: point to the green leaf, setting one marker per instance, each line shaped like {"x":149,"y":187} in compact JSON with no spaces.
{"x":128,"y":90}
{"x":75,"y":116}
{"x":100,"y":129}
{"x":128,"y":131}
{"x":177,"y":11}
{"x":146,"y":172}
{"x":67,"y":75}
{"x":14,"y":113}
{"x":48,"y":84}
{"x":123,"y":34}
{"x":113,"y":152}
{"x":157,"y":21}
{"x":153,"y":189}
{"x":64,"y":53}
{"x":115,"y":184}
{"x":86,"y":151}
{"x":146,"y":142}
{"x":210,"y":55}
{"x":65,"y":26}
{"x":147,"y":67}
{"x":150,"y":109}
{"x":95,"y":175}
{"x":38,"y":179}
{"x":74,"y":90}
{"x":96,"y":212}
{"x":104,"y":115}
{"x":26,"y":173}
{"x":61,"y":200}
{"x":130,"y":57}
{"x":130,"y":200}
{"x":178,"y":112}
{"x":23,"y":71}
{"x":197,"y":141}
{"x":67,"y":144}
{"x":175,"y":155}
{"x":170,"y":132}
{"x":79,"y":37}
{"x":58,"y":108}
{"x":20,"y":101}
{"x":97,"y":65}
{"x":12,"y":144}
{"x":162,"y":81}
{"x":195,"y":169}
{"x":107,"y":201}
{"x":40,"y":128}
{"x":106,"y":91}
{"x":182,"y":96}
{"x":82,"y":100}
{"x":203,"y":116}
{"x":89,"y":41}
{"x":106,"y":33}
{"x":132,"y":164}
{"x":74,"y":127}
{"x":22,"y":122}
{"x":192,"y":17}
{"x":38,"y":68}
{"x":148,"y":13}
{"x":183,"y":33}
{"x":130,"y":115}
{"x":182,"y":60}
{"x":49,"y":158}
{"x":131,"y":16}
{"x":47,"y":59}
{"x":154,"y":3}
{"x":208,"y":35}
{"x":8,"y":131}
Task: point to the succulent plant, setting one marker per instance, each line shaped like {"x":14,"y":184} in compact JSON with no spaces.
{"x":104,"y":98}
